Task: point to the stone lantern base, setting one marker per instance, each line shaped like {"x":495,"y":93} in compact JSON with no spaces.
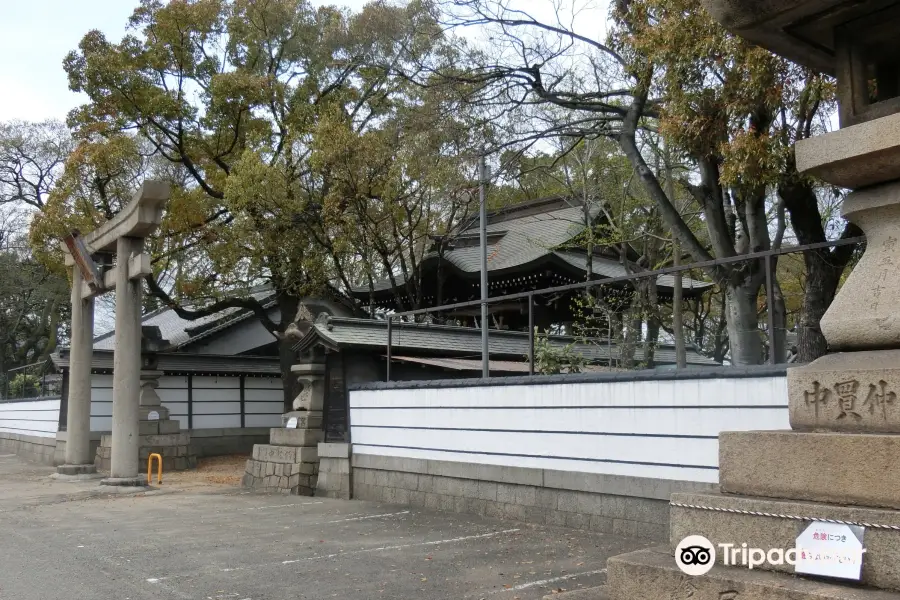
{"x":158,"y":434}
{"x":170,"y":442}
{"x":289,"y":463}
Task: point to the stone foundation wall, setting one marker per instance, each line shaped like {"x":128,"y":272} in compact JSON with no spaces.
{"x":286,"y":469}
{"x":288,"y":478}
{"x":335,"y":479}
{"x":29,"y":447}
{"x":59,"y":457}
{"x":631,"y":506}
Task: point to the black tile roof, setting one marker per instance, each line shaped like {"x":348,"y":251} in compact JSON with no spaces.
{"x":339,"y":332}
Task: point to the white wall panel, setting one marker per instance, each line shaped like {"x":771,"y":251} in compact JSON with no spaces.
{"x":215,"y":421}
{"x":264,"y":408}
{"x":101,"y":424}
{"x":101,"y":409}
{"x":39,"y":418}
{"x":101,"y":381}
{"x":263,"y":383}
{"x":217,"y":395}
{"x":217,"y":408}
{"x":213,"y":397}
{"x":262,"y":420}
{"x":173,"y":382}
{"x":663,"y":428}
{"x":101,"y":394}
{"x":203,"y":381}
{"x":266,"y":395}
{"x":172,"y":395}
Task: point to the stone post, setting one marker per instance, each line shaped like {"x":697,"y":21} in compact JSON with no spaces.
{"x":78,"y":428}
{"x":124,"y":467}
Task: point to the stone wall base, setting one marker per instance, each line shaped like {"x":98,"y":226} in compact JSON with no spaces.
{"x":630,"y":506}
{"x":175,"y":449}
{"x":298,"y":479}
{"x":334,"y":471}
{"x":59,"y":457}
{"x":228,"y":440}
{"x":29,"y":447}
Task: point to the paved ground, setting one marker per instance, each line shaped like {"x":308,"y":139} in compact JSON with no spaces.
{"x":69,"y":541}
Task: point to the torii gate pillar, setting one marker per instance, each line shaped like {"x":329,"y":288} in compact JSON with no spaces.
{"x":123,"y":236}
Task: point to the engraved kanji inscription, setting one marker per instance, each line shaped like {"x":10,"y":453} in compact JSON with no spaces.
{"x":846,"y":392}
{"x":818,"y":395}
{"x":890,"y":243}
{"x":878,"y":399}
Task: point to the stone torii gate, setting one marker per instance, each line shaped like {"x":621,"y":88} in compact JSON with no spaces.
{"x":122,"y":236}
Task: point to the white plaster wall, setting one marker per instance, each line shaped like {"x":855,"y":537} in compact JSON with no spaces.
{"x":656,"y":429}
{"x":39,"y":418}
{"x":215,"y":401}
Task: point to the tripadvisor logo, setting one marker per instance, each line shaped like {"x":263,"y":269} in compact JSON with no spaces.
{"x":695,"y":555}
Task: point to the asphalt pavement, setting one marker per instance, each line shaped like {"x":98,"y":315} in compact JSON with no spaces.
{"x":75,"y":541}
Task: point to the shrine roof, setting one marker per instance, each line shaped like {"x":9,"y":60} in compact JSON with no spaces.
{"x":181,"y":362}
{"x":336,"y":333}
{"x":523,"y":236}
{"x":180,"y":332}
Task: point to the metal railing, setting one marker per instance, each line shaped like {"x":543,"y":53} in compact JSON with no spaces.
{"x":766,"y":256}
{"x":31,"y":381}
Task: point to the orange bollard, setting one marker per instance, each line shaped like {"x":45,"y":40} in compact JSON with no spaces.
{"x":150,"y":468}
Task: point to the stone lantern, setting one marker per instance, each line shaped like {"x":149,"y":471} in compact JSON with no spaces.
{"x":836,"y":468}
{"x":859,"y":42}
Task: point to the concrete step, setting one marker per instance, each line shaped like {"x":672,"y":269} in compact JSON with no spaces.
{"x":594,"y":593}
{"x":849,"y":468}
{"x":881,"y":564}
{"x":651,"y":574}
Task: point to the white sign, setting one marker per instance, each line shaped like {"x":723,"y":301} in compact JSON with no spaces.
{"x":830,"y":550}
{"x":153,"y":416}
{"x":292,"y":423}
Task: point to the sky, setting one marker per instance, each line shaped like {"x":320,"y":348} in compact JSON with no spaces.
{"x":35,"y":36}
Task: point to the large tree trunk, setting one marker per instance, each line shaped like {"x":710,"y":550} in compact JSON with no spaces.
{"x":823,"y":267}
{"x":821,"y":285}
{"x":742,"y":322}
{"x":288,"y":305}
{"x":778,"y":339}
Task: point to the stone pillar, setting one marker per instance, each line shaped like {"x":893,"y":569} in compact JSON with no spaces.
{"x":289,"y":463}
{"x":124,"y":464}
{"x":78,"y":419}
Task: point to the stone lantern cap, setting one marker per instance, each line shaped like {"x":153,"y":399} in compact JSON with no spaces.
{"x":800,"y":30}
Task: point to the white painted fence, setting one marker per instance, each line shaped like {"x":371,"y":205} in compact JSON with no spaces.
{"x":39,"y":418}
{"x":666,"y":429}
